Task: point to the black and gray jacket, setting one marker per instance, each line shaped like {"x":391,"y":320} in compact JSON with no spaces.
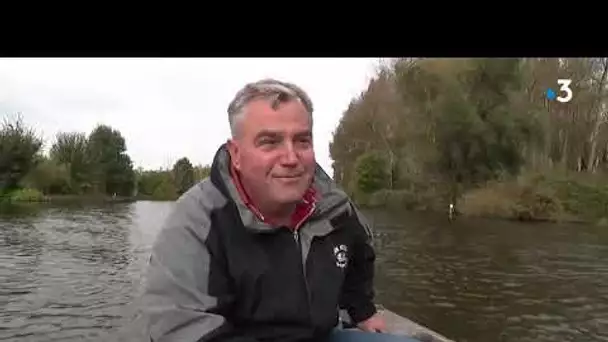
{"x":218,"y":273}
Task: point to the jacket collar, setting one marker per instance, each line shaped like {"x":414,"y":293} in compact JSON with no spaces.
{"x":302,"y":211}
{"x":321,"y":199}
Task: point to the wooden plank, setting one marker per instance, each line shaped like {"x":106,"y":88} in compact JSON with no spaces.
{"x":399,"y":325}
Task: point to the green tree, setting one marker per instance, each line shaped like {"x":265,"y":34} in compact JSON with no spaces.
{"x":157,"y":184}
{"x":70,"y":149}
{"x":183,"y":175}
{"x":18,"y":148}
{"x":111,"y":168}
{"x":48,"y":176}
{"x":120,"y":176}
{"x":201,"y":172}
{"x":148,"y":181}
{"x":371,"y":174}
{"x":166,"y":190}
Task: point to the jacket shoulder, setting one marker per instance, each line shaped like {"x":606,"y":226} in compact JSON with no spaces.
{"x":193,"y":209}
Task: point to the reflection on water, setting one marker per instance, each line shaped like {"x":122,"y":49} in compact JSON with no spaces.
{"x":72,"y":273}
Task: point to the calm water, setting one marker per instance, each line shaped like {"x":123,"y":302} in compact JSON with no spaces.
{"x":71,"y":274}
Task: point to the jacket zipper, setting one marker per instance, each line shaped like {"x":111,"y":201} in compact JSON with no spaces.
{"x":296,"y":237}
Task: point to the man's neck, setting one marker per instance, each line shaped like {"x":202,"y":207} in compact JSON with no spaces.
{"x":279,"y":214}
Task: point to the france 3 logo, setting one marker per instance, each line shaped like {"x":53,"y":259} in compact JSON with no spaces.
{"x":565,"y":93}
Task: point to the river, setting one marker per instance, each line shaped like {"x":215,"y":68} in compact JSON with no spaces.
{"x":71,"y":273}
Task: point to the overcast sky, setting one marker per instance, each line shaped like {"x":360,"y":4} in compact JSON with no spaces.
{"x":168,"y":108}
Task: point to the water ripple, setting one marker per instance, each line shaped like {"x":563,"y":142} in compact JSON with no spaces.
{"x":497,"y":281}
{"x":72,"y":274}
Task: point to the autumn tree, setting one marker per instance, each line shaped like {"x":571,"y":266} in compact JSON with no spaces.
{"x":458,"y":123}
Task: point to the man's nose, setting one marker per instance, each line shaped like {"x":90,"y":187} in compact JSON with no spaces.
{"x":290,"y":155}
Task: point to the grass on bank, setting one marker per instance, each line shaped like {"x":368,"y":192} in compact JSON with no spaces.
{"x":23,"y":195}
{"x":29,"y":195}
{"x":162,"y":192}
{"x":529,"y":197}
{"x":551,"y":197}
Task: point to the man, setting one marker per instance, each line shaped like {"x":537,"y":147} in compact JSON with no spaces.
{"x":267,"y":248}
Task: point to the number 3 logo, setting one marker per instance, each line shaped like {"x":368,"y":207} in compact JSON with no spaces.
{"x":565,"y":87}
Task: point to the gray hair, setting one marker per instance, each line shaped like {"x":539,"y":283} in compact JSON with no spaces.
{"x":269,"y":89}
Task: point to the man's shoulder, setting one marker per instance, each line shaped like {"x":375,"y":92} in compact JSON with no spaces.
{"x":195,"y":206}
{"x":203,"y":195}
{"x":185,"y":230}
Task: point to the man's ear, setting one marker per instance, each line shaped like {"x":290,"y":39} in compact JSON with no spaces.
{"x":233,"y":150}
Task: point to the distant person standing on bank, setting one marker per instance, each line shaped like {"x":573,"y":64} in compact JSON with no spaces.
{"x":267,"y":248}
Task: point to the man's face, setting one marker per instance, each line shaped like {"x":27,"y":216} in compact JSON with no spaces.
{"x":274,"y":152}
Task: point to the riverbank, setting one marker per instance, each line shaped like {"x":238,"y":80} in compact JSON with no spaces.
{"x":30,"y":195}
{"x":35,"y":196}
{"x":577,"y":198}
{"x":580,"y":198}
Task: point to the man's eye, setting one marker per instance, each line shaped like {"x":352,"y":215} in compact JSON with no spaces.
{"x":268,"y":141}
{"x":304,"y":141}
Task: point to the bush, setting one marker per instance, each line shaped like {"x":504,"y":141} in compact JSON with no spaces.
{"x":394,"y":199}
{"x":536,"y":203}
{"x":370,"y":173}
{"x":529,"y":197}
{"x":26,"y":195}
{"x":584,"y":198}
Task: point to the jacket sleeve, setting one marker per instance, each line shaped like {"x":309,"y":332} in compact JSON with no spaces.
{"x":358,"y":289}
{"x":176,"y":303}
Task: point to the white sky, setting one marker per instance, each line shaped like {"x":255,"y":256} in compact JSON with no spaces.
{"x":168,"y":108}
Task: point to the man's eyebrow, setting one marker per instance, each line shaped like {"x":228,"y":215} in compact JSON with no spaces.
{"x":305,"y":134}
{"x":275,"y":134}
{"x":267,"y":134}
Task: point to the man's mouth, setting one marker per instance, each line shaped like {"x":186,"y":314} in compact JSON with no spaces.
{"x":288,"y":177}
